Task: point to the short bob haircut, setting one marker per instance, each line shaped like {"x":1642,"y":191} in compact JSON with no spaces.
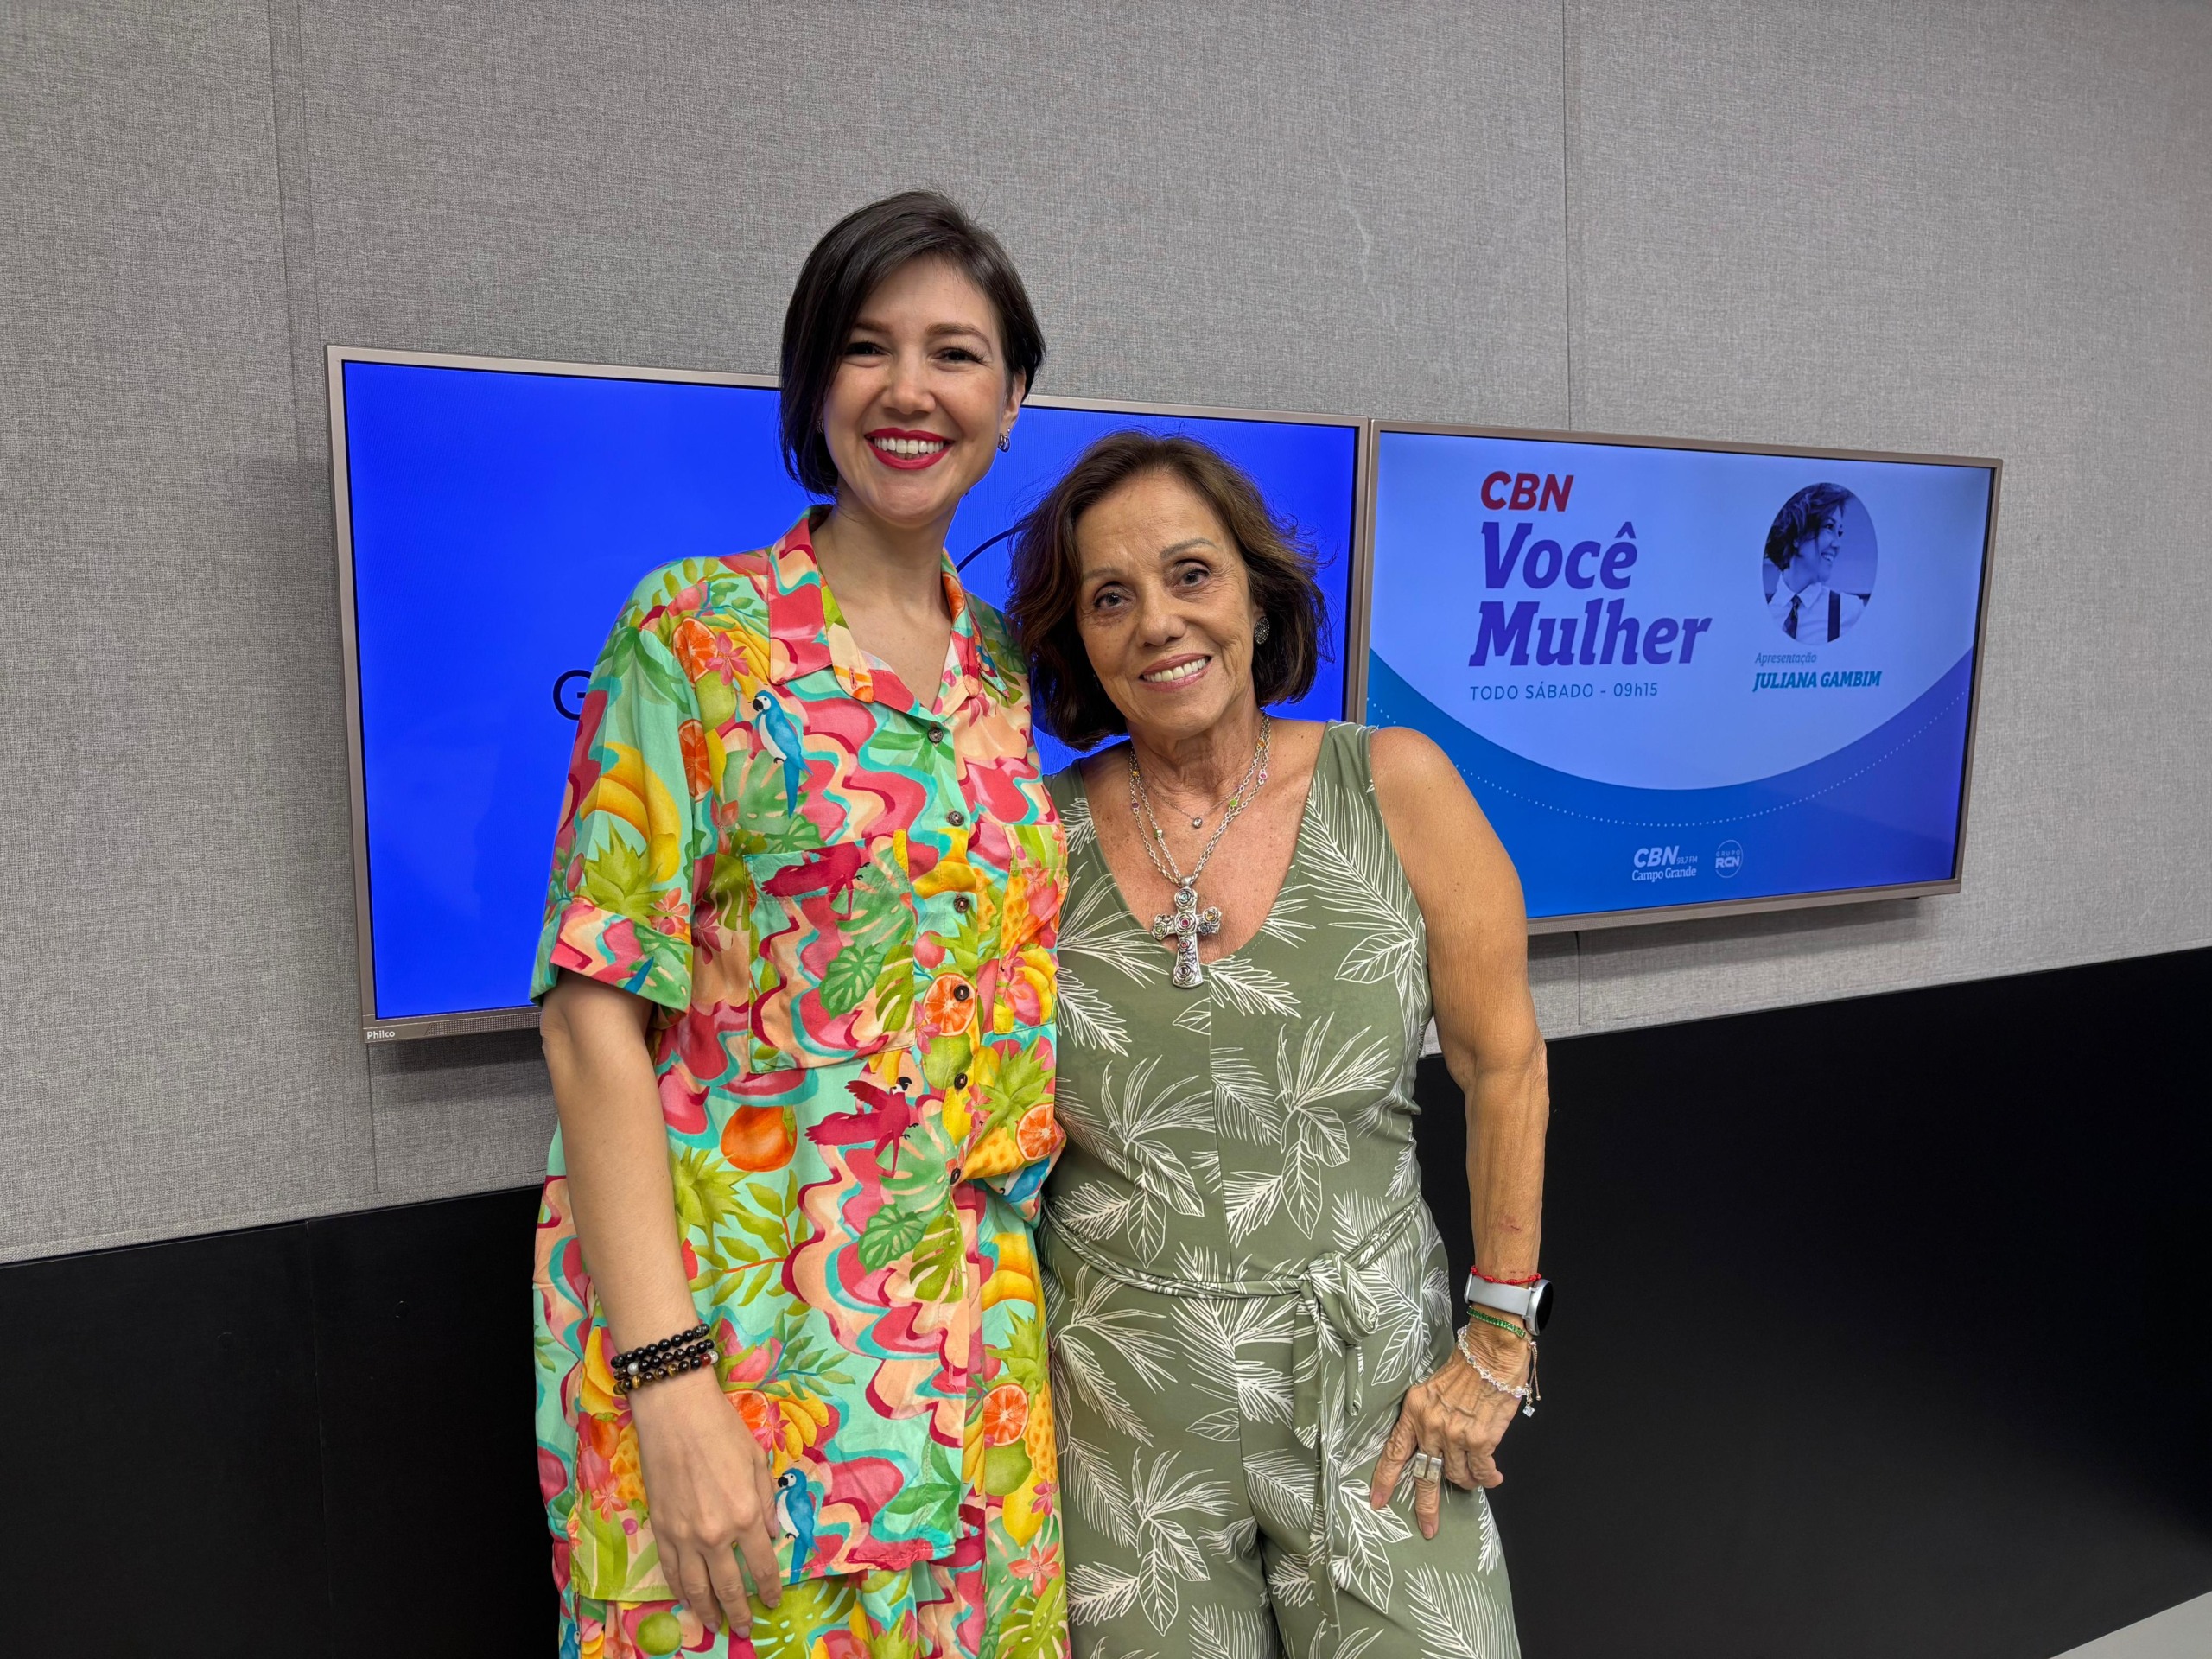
{"x":1048,"y":581}
{"x":846,"y":266}
{"x":1800,"y":520}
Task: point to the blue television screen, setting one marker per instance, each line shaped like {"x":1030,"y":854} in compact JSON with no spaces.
{"x":499,"y":517}
{"x":1686,"y":677}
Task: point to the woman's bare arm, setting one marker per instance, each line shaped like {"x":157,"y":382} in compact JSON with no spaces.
{"x":1470,"y":902}
{"x":1470,"y":898}
{"x":706,"y":1486}
{"x":616,"y":1149}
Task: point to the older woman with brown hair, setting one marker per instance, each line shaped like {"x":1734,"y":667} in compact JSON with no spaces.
{"x":1254,"y":1354}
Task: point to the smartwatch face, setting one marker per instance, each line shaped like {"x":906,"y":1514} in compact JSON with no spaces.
{"x":1540,"y":1307}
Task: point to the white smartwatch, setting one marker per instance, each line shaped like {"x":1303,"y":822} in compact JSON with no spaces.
{"x":1531,"y":1303}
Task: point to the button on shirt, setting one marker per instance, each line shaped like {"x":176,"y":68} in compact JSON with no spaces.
{"x":842,"y":899}
{"x":1805,"y":615}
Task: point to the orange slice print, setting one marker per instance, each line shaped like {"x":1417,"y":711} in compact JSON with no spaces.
{"x":1038,"y":1135}
{"x":950,"y":1005}
{"x":1006,"y":1414}
{"x":760,"y":1416}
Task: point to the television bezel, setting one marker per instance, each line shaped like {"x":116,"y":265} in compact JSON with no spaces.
{"x":1356,"y":648}
{"x":408,"y":1026}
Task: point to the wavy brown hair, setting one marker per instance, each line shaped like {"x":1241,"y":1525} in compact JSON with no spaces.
{"x":1048,"y":581}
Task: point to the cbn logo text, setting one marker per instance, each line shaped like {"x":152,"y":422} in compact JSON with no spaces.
{"x":1527,"y":492}
{"x":1663,"y":864}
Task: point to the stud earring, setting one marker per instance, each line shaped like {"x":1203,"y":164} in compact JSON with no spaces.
{"x":1260,"y":631}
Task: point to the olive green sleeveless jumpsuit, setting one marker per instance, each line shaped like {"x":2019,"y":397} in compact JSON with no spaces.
{"x":1241,"y":1278}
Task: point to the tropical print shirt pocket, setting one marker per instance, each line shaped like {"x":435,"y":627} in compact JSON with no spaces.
{"x":833,"y":954}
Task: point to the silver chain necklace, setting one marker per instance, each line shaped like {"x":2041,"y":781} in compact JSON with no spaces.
{"x":1189,"y":921}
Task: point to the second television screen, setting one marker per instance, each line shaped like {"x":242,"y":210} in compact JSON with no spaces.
{"x":499,"y":517}
{"x":1682,"y":676}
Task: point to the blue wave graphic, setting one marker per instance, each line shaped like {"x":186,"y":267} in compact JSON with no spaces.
{"x":1881,"y":811}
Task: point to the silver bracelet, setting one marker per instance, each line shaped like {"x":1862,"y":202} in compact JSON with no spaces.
{"x":1525,"y":1394}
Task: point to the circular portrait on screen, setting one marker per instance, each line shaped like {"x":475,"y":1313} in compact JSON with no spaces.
{"x":1819,"y":568}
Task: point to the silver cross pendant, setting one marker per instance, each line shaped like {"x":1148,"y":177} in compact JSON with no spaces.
{"x":1186,"y":926}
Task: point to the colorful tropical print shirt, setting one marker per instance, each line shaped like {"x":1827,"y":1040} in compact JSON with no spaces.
{"x":842,"y":900}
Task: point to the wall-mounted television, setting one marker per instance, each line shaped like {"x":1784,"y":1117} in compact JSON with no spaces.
{"x":493,"y":514}
{"x":1681,"y":678}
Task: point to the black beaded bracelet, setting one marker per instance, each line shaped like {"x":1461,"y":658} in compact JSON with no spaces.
{"x":670,"y":1357}
{"x":653,"y":1350}
{"x":686,"y":1359}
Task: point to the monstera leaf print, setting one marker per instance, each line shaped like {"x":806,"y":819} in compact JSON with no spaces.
{"x":924,"y":1499}
{"x":639,"y":656}
{"x":877,"y":915}
{"x":912,"y":1206}
{"x":760,"y":822}
{"x":1029,"y":1625}
{"x":788,"y":1630}
{"x":895,"y":987}
{"x":939,"y":1257}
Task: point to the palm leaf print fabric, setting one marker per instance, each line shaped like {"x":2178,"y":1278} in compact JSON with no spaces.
{"x":842,"y":900}
{"x":1242,"y":1280}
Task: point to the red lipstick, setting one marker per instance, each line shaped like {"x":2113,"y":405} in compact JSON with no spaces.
{"x":908,"y":452}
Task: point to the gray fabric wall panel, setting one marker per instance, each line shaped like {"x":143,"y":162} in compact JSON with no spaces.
{"x":144,"y":286}
{"x":1979,"y":229}
{"x":1555,"y":981}
{"x":176,"y":1054}
{"x":468,"y":1116}
{"x":1974,"y":227}
{"x":1244,"y":204}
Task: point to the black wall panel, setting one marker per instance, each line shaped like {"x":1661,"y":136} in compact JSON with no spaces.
{"x":1880,"y":1332}
{"x":167,"y":1490}
{"x":423,"y":1328}
{"x":1880,"y":1325}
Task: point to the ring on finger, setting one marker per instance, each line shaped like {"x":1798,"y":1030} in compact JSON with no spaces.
{"x":1426,"y":1467}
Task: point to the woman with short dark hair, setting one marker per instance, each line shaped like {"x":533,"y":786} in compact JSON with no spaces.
{"x":797,"y":978}
{"x":1252,"y":1335}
